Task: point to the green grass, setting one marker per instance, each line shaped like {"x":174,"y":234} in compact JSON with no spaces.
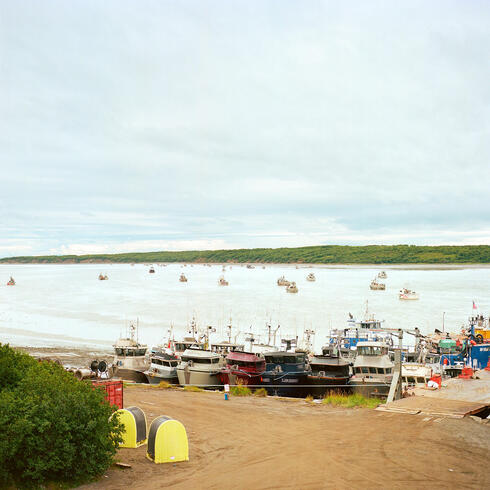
{"x":163,"y":385}
{"x":351,"y":401}
{"x":195,"y":389}
{"x":262,"y":392}
{"x":309,"y":399}
{"x":240,"y":390}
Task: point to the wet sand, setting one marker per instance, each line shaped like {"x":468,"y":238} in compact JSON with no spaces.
{"x":278,"y":443}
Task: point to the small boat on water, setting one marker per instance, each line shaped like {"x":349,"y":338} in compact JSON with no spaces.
{"x":283,"y":282}
{"x":11,"y":282}
{"x":163,"y":367}
{"x":292,"y":288}
{"x":182,"y":278}
{"x":373,"y":370}
{"x":286,"y":374}
{"x":329,"y":372}
{"x":311,"y":277}
{"x":152,"y":270}
{"x":243,"y":368}
{"x":250,"y":266}
{"x":103,"y":277}
{"x":407,"y":294}
{"x":377,"y":286}
{"x":130,"y":361}
{"x":200,"y":368}
{"x":382,"y":275}
{"x":222,"y":281}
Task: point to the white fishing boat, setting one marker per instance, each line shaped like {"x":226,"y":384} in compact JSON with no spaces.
{"x":415,"y":374}
{"x":162,"y":368}
{"x":311,"y":277}
{"x":182,"y":278}
{"x":200,"y":368}
{"x":282,"y":281}
{"x":407,"y":294}
{"x":377,"y":286}
{"x":292,"y":288}
{"x":222,"y":281}
{"x":130,"y":360}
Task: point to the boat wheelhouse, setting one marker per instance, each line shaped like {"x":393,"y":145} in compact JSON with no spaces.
{"x":328,"y":373}
{"x":415,"y":374}
{"x":286,"y":373}
{"x":243,"y":368}
{"x":162,"y":368}
{"x":373,"y":370}
{"x":200,"y":368}
{"x":103,"y":277}
{"x":225,"y":347}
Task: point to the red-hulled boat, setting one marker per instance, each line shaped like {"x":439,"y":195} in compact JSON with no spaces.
{"x":242,"y":368}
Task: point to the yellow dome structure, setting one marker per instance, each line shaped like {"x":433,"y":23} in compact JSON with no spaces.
{"x":167,"y":441}
{"x":134,"y":420}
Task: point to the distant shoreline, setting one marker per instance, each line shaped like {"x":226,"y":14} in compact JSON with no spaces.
{"x":322,"y":255}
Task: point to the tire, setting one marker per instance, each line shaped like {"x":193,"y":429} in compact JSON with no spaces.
{"x":479,"y":338}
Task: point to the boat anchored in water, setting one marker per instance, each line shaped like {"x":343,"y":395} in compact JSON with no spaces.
{"x":151,"y":270}
{"x":292,"y":288}
{"x":311,"y":277}
{"x":182,"y":278}
{"x":282,"y":281}
{"x":103,"y":277}
{"x":223,"y":282}
{"x":382,"y":275}
{"x":11,"y":282}
{"x":407,"y":294}
{"x":377,"y":286}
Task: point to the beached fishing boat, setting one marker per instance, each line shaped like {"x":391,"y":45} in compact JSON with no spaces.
{"x":243,"y":368}
{"x":103,"y":277}
{"x":373,"y":370}
{"x":151,"y":270}
{"x":292,"y":288}
{"x":182,"y":278}
{"x":286,"y":374}
{"x":377,"y":286}
{"x":328,"y":373}
{"x":222,"y":281}
{"x":163,"y":367}
{"x":11,"y":282}
{"x":130,"y":360}
{"x":311,"y":277}
{"x":407,"y":294}
{"x":283,"y":282}
{"x":200,"y":368}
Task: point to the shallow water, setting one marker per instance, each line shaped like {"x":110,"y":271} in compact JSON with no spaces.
{"x":67,"y":305}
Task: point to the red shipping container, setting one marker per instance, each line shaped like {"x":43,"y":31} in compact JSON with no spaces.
{"x":113,"y":391}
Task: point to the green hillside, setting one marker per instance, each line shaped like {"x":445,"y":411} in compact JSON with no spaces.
{"x":325,"y":254}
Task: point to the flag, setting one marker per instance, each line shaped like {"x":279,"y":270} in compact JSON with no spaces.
{"x":474,"y":305}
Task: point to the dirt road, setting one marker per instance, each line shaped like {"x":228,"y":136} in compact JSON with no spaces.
{"x":276,"y":443}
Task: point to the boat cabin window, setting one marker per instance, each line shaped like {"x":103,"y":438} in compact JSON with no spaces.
{"x":372,"y":370}
{"x":198,"y":360}
{"x":388,"y":370}
{"x":370,"y":350}
{"x":173,"y":363}
{"x":284,"y":359}
{"x":421,"y":380}
{"x":364,"y":370}
{"x":410,"y":379}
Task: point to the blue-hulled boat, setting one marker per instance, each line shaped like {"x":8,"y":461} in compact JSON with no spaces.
{"x":286,"y":374}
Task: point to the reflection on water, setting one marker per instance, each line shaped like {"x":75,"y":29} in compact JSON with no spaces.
{"x":57,"y":304}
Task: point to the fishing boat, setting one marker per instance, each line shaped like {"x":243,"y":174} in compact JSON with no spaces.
{"x":163,"y":367}
{"x":222,"y":281}
{"x":407,"y":294}
{"x":311,"y":277}
{"x":416,"y":374}
{"x":329,"y":372}
{"x":382,"y":275}
{"x":182,"y":278}
{"x":151,"y":270}
{"x":377,"y":286}
{"x":286,"y":374}
{"x":103,"y":277}
{"x":200,"y":368}
{"x":283,"y":282}
{"x":292,"y":288}
{"x":11,"y":282}
{"x":250,"y":266}
{"x":373,"y":370}
{"x":130,"y":361}
{"x":243,"y":368}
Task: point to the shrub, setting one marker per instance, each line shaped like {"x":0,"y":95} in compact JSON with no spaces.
{"x":53,"y":428}
{"x":240,"y":390}
{"x":350,"y":401}
{"x":192,"y":388}
{"x":309,"y":399}
{"x":260,"y":392}
{"x":163,"y":385}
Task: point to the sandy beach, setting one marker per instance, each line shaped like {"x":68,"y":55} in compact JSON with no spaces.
{"x":278,"y":443}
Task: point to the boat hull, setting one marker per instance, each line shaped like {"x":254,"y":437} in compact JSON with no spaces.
{"x":319,"y":386}
{"x":155,"y":379}
{"x":235,"y":378}
{"x":370,"y":388}
{"x":202,"y":379}
{"x":130,"y":375}
{"x":286,"y":384}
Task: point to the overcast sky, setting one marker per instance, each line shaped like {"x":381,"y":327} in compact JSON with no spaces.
{"x":141,"y":125}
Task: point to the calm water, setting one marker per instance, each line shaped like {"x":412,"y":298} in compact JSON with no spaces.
{"x":67,"y":305}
